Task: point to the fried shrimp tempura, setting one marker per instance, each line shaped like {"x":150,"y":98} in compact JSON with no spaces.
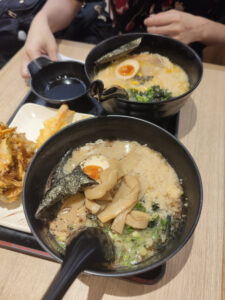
{"x":62,"y":118}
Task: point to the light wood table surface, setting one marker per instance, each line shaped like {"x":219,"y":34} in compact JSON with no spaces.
{"x":197,"y":271}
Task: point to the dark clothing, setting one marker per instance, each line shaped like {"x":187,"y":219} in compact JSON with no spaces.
{"x":15,"y":16}
{"x":91,"y":25}
{"x":129,"y":15}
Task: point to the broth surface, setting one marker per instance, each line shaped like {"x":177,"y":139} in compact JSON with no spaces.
{"x":142,"y":71}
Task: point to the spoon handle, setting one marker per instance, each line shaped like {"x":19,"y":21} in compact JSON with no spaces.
{"x":80,"y":254}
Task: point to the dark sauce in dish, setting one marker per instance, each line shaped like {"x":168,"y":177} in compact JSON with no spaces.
{"x":65,"y":87}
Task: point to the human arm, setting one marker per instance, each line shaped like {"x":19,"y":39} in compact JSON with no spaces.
{"x":186,"y":27}
{"x":54,"y":16}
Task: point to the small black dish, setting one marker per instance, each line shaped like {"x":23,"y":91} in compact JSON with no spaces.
{"x":58,"y":82}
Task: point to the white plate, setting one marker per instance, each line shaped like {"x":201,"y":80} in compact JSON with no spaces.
{"x":29,"y":119}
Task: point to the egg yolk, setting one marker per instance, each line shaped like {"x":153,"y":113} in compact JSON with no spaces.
{"x":93,"y":171}
{"x":126,"y":70}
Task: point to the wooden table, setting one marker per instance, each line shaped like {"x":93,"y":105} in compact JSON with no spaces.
{"x":197,"y":272}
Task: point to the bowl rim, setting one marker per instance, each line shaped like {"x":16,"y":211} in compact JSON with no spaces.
{"x":198,"y":59}
{"x":114,"y":272}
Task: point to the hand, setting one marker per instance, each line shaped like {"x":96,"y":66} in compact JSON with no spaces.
{"x":182,"y":26}
{"x":40,"y":40}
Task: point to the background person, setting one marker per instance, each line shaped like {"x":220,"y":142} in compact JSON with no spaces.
{"x":192,"y":22}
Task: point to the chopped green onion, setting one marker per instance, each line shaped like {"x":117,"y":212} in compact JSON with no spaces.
{"x":140,"y":206}
{"x":152,"y":94}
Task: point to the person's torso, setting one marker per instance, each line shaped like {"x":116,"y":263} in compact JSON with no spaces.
{"x":129,"y":15}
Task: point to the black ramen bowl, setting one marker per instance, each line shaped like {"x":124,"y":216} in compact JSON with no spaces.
{"x":176,"y":51}
{"x":113,"y":128}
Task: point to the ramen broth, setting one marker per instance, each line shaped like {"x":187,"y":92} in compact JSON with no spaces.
{"x":142,"y":71}
{"x":137,"y":200}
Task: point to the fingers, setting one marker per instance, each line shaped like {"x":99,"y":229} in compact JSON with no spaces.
{"x":31,"y":52}
{"x":162,"y":19}
{"x":28,"y":54}
{"x":23,"y":67}
{"x":40,"y":40}
{"x":169,"y":30}
{"x":165,"y":23}
{"x":52,"y":51}
{"x":175,"y":24}
{"x":27,"y":57}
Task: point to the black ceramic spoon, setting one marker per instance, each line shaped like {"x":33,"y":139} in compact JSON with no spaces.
{"x":98,"y":91}
{"x":89,"y":246}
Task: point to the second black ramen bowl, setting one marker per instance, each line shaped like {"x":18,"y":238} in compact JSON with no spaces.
{"x":176,"y":51}
{"x":113,"y":128}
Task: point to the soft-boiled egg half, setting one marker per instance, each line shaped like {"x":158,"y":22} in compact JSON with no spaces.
{"x":94,"y":165}
{"x":127,"y":69}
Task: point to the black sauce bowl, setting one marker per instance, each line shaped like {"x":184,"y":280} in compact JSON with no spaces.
{"x":58,"y":82}
{"x":176,"y":51}
{"x":113,"y":128}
